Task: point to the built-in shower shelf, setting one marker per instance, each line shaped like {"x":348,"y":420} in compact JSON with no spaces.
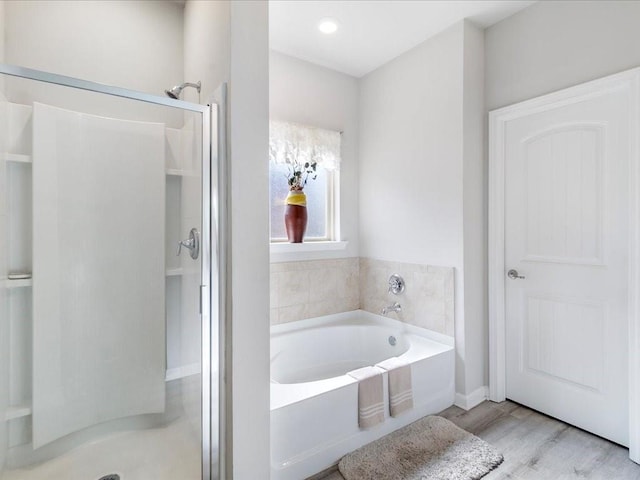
{"x":181,"y":173}
{"x":177,"y":272}
{"x":182,"y":372}
{"x":19,"y":283}
{"x":16,"y":157}
{"x":17,"y":411}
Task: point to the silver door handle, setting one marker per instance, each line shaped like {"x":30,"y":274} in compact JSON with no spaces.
{"x":192,"y":243}
{"x":513,"y":275}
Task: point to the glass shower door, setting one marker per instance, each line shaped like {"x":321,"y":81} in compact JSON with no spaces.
{"x":105,"y":301}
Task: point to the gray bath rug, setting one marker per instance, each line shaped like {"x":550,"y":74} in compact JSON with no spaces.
{"x":432,"y":448}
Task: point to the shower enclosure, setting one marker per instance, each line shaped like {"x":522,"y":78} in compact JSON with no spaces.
{"x":109,"y":358}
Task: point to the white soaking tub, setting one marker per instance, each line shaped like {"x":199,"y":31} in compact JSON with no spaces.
{"x":314,"y":404}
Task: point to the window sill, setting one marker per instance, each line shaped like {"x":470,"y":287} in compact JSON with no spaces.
{"x":292,"y":252}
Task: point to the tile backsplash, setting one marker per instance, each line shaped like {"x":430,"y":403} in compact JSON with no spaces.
{"x":314,"y":288}
{"x":427,"y":300}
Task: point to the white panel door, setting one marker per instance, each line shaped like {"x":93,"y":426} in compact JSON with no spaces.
{"x":566,"y":233}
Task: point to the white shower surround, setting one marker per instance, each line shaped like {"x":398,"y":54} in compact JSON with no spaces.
{"x":177,"y":147}
{"x":314,"y":422}
{"x":78,"y":160}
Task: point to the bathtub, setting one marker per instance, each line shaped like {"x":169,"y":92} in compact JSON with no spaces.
{"x":314,"y":419}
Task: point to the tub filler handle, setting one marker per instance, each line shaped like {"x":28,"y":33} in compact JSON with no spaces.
{"x":396,"y":284}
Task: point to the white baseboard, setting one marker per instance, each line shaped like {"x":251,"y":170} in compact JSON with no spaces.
{"x":475,"y":398}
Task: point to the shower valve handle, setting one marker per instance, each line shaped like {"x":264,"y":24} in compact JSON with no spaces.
{"x":192,"y":244}
{"x":184,"y":243}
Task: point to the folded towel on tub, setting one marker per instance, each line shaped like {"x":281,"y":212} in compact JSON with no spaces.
{"x":370,"y":396}
{"x":400,"y":387}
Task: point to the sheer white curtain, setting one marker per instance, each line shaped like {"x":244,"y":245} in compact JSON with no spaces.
{"x":291,"y":143}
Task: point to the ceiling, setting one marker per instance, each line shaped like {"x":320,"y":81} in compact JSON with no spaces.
{"x":371,"y":32}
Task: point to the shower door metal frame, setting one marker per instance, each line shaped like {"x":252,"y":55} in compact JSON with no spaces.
{"x":208,"y":113}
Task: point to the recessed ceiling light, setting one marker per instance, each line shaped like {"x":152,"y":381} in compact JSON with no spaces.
{"x":328,"y":26}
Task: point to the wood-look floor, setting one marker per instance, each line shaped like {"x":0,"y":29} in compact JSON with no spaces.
{"x":537,"y":447}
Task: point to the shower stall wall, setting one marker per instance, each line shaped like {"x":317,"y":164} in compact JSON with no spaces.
{"x":108,"y":357}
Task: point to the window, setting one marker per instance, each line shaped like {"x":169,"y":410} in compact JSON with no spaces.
{"x":292,"y":145}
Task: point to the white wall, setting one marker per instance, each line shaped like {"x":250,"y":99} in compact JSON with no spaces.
{"x":553,"y":45}
{"x":4,"y":334}
{"x":2,"y":30}
{"x":305,"y":93}
{"x":418,"y":154}
{"x":136,"y":45}
{"x":422,"y":176}
{"x":475,"y":334}
{"x":411,"y":155}
{"x":548,"y":46}
{"x":228,"y":42}
{"x":248,"y":148}
{"x":4,"y":304}
{"x":206,"y":47}
{"x":2,"y":42}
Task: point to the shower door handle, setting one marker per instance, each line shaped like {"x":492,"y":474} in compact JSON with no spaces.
{"x":192,"y":243}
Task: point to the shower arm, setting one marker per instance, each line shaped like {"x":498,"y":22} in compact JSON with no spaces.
{"x":194,"y":85}
{"x":176,"y":90}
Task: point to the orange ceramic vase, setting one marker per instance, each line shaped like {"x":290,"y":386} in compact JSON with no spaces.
{"x":295,"y":216}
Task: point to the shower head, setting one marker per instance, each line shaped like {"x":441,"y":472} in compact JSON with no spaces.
{"x":175,"y":91}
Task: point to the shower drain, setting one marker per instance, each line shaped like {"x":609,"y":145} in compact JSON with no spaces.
{"x":111,"y":476}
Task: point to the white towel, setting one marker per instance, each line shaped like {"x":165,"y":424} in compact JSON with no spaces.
{"x":400,"y":388}
{"x":370,"y":396}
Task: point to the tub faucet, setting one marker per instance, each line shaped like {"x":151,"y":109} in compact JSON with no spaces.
{"x":392,"y":308}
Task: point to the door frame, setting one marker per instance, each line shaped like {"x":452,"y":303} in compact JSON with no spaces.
{"x":498,"y":119}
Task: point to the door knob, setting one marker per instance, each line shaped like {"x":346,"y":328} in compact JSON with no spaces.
{"x":513,"y":275}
